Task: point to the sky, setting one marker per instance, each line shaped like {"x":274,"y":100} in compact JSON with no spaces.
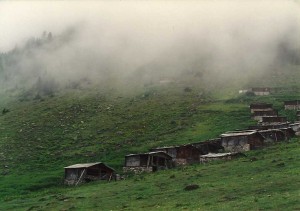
{"x":123,"y":38}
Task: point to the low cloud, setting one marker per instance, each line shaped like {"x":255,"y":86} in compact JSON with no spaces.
{"x":145,"y":41}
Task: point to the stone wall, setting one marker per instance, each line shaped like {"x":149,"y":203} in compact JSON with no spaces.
{"x":138,"y":169}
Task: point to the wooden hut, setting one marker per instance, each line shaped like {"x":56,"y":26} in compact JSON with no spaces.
{"x":292,"y":105}
{"x":260,"y":107}
{"x":273,"y":120}
{"x":261,"y":90}
{"x":296,"y":128}
{"x":239,"y":141}
{"x":257,"y":115}
{"x":273,"y":135}
{"x":288,"y":132}
{"x":182,"y":154}
{"x":147,"y":162}
{"x":85,"y":172}
{"x":209,"y":146}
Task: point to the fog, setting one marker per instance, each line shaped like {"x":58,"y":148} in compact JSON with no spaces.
{"x":144,"y":42}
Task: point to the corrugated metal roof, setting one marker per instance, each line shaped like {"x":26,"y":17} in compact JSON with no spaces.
{"x":86,"y":165}
{"x":269,"y":130}
{"x":216,"y":155}
{"x":243,"y":133}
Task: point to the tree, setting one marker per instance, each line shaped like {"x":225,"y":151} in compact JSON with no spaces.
{"x":49,"y":36}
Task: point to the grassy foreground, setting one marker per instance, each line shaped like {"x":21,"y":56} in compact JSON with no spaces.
{"x":267,"y":179}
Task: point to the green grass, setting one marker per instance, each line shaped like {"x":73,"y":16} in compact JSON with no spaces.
{"x":39,"y":137}
{"x":269,"y":183}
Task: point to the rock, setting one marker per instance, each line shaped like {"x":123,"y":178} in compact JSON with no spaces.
{"x":280,"y":164}
{"x":120,"y":133}
{"x":191,"y":187}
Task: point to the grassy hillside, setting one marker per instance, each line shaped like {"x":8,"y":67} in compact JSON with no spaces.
{"x":40,"y":136}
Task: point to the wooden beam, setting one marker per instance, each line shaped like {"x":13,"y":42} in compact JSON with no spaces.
{"x":80,"y":177}
{"x":148,"y":161}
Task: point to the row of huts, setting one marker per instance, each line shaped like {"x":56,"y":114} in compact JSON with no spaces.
{"x":257,"y":91}
{"x":270,"y":128}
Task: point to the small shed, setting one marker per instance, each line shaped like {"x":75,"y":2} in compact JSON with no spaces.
{"x":260,"y":127}
{"x":273,"y":120}
{"x":239,"y":141}
{"x":296,"y":128}
{"x":182,"y":154}
{"x":288,"y":132}
{"x":86,"y":172}
{"x":298,"y":115}
{"x":260,"y":107}
{"x":209,"y":146}
{"x":220,"y":156}
{"x":147,"y":162}
{"x":292,"y":105}
{"x":261,"y":90}
{"x":257,"y":115}
{"x":273,"y":135}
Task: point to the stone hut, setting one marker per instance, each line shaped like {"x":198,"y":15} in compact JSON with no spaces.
{"x":209,"y":146}
{"x":219,"y":156}
{"x":239,"y":141}
{"x":147,"y":162}
{"x":288,"y":132}
{"x":257,"y":115}
{"x":273,"y":120}
{"x":261,"y":107}
{"x":86,"y":172}
{"x":261,"y":90}
{"x":296,"y":128}
{"x":267,"y":127}
{"x":182,"y":154}
{"x":292,"y":105}
{"x":273,"y":135}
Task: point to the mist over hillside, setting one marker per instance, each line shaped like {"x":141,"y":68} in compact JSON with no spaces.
{"x":54,"y":45}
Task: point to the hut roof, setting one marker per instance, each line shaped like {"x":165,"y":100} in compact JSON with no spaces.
{"x":260,"y":105}
{"x":151,"y":153}
{"x":172,"y":147}
{"x":239,"y":133}
{"x":86,"y":165}
{"x":270,"y":113}
{"x":216,"y":155}
{"x":270,"y":130}
{"x":261,"y":89}
{"x":274,"y":119}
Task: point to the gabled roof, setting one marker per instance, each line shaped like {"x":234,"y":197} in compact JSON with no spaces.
{"x":209,"y":141}
{"x":270,"y":130}
{"x":217,"y":155}
{"x":239,"y":133}
{"x":86,"y":165}
{"x":151,"y":153}
{"x":257,"y":113}
{"x":260,"y":105}
{"x":274,"y":119}
{"x":172,"y":147}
